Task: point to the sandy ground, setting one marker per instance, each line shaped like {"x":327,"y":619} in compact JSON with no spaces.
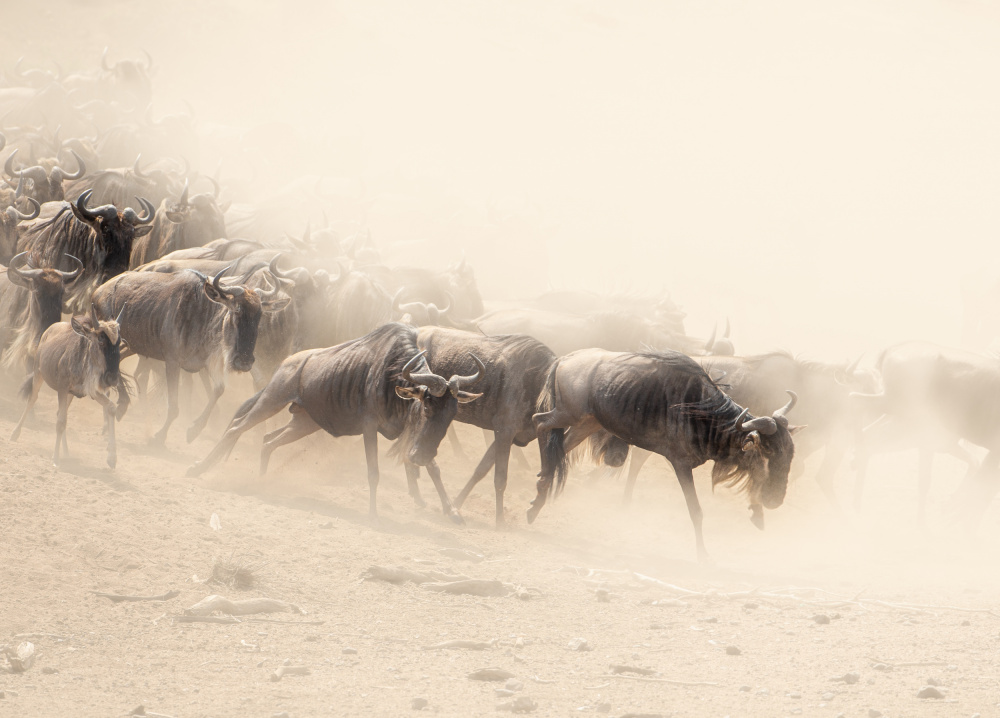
{"x":144,"y":529}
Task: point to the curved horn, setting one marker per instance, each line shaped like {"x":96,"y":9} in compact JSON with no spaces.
{"x":81,"y":169}
{"x":447,"y":307}
{"x":217,"y":190}
{"x":711,"y":339}
{"x":236,"y":291}
{"x":134,"y":219}
{"x":3,"y":141}
{"x":435,"y":384}
{"x":81,"y":206}
{"x":471,"y":378}
{"x":104,"y":60}
{"x":726,"y":335}
{"x":789,"y":406}
{"x":763,"y":424}
{"x":269,"y":293}
{"x":118,"y":319}
{"x":149,"y":60}
{"x":70,"y":276}
{"x":93,"y":315}
{"x":184,"y":195}
{"x":739,"y":419}
{"x":17,"y":275}
{"x":14,"y":212}
{"x":853,"y":366}
{"x":8,"y":166}
{"x":272,"y":267}
{"x":395,"y":299}
{"x":135,"y":167}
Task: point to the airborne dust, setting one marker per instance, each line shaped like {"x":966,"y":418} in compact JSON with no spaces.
{"x":822,"y":175}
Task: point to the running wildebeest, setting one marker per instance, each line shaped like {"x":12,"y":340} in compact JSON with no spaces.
{"x":31,"y":301}
{"x":188,"y":321}
{"x":366,"y":386}
{"x":77,"y":358}
{"x":931,"y":397}
{"x":667,"y":404}
{"x":518,"y":366}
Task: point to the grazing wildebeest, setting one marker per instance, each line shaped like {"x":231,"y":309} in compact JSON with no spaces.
{"x":44,"y":186}
{"x":77,"y":358}
{"x":188,"y":321}
{"x":9,"y":220}
{"x":186,"y":223}
{"x":31,"y":301}
{"x":366,"y":387}
{"x":518,"y":367}
{"x":759,"y":383}
{"x":667,"y":404}
{"x":101,"y":237}
{"x":931,"y":397}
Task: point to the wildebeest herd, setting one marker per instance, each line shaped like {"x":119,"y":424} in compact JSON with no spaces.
{"x":103,"y":220}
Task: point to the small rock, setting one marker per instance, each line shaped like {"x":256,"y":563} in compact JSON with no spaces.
{"x":966,"y":623}
{"x":519,"y":642}
{"x":655,"y":627}
{"x":848,"y":678}
{"x":710,"y":619}
{"x":750,"y":606}
{"x":763,"y":692}
{"x":821,"y":618}
{"x":882,"y":667}
{"x":504,"y":693}
{"x":733,"y":651}
{"x":603,"y":596}
{"x":2,"y":695}
{"x":513,"y":684}
{"x":580,"y":644}
{"x":828,"y":696}
{"x":872,"y":713}
{"x":951,"y":668}
{"x":929,"y":692}
{"x":521,"y":704}
{"x":49,"y":670}
{"x":349,"y":651}
{"x":283,"y":714}
{"x":418,"y":704}
{"x":606,"y":708}
{"x":795,"y":696}
{"x":934,"y":682}
{"x":744,"y":689}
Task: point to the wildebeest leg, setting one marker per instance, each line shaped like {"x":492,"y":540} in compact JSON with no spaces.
{"x":173,"y":379}
{"x":142,"y":372}
{"x":215,"y":385}
{"x":371,"y":455}
{"x":877,"y":437}
{"x":833,"y":457}
{"x":639,"y":457}
{"x":485,"y":464}
{"x":412,"y":474}
{"x":109,"y":427}
{"x":64,"y":401}
{"x":568,"y":441}
{"x":456,"y":445}
{"x":686,"y":478}
{"x":502,"y":445}
{"x":300,"y":426}
{"x":446,"y":508}
{"x":519,"y":458}
{"x":36,"y":384}
{"x":925,"y":464}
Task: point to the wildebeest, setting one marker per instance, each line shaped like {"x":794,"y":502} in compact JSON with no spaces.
{"x":760,"y":382}
{"x":667,"y":404}
{"x":188,"y":321}
{"x":188,"y":222}
{"x":31,"y":300}
{"x":518,"y":367}
{"x":9,"y":220}
{"x":119,"y":185}
{"x":454,"y":287}
{"x":44,"y":186}
{"x":378,"y":384}
{"x":101,"y":237}
{"x":931,"y":397}
{"x":77,"y":358}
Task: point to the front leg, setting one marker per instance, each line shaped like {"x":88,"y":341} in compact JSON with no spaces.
{"x":173,"y":372}
{"x":109,"y":427}
{"x":214,"y":386}
{"x":371,"y":455}
{"x":685,"y":476}
{"x":446,"y":508}
{"x":412,"y":474}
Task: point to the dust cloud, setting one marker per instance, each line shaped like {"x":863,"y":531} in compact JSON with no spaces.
{"x":823,"y":174}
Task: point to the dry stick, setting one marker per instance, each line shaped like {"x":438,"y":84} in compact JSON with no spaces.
{"x":276,"y":620}
{"x":205,"y":619}
{"x":909,"y":664}
{"x":282,"y":671}
{"x":617,"y":668}
{"x":663,"y":680}
{"x":471,"y":645}
{"x":211,"y":604}
{"x":597,"y":687}
{"x":117,"y":597}
{"x":536,"y":679}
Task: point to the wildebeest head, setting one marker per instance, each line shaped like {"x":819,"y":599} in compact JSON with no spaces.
{"x":128,"y":79}
{"x":106,"y":345}
{"x":45,"y":284}
{"x":201,"y":215}
{"x":767,"y":454}
{"x":242,"y":319}
{"x":115,"y":230}
{"x":439,"y":399}
{"x":8,"y":228}
{"x":462,"y":285}
{"x":420,"y":314}
{"x":721,"y":346}
{"x":44,"y":186}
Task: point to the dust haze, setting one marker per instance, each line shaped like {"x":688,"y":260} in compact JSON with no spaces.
{"x":822,"y":175}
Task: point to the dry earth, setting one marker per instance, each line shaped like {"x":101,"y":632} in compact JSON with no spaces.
{"x":144,"y":529}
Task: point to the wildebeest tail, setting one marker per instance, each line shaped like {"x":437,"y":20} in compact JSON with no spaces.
{"x":25,"y":390}
{"x":554,"y":460}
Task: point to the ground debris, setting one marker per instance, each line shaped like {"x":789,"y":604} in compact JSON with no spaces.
{"x":282,"y":671}
{"x":733,"y":651}
{"x":117,"y":597}
{"x":618,"y":668}
{"x":848,"y":678}
{"x":418,"y":704}
{"x":140,"y":710}
{"x":579,"y":644}
{"x":20,"y":659}
{"x":490,"y":674}
{"x":471,"y":586}
{"x":929,"y":692}
{"x":521,"y":704}
{"x":470,"y":645}
{"x":399,"y":574}
{"x":212,"y":604}
{"x":462,"y":554}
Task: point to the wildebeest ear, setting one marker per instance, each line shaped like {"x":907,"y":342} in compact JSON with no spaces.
{"x":177,"y":217}
{"x":795,"y":429}
{"x":214,"y":294}
{"x":142,"y":229}
{"x":753,"y":441}
{"x":274,"y":305}
{"x":410,"y":392}
{"x":95,"y":223}
{"x":78,"y":327}
{"x":464,"y":397}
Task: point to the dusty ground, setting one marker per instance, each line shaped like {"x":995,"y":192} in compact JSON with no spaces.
{"x":144,"y":529}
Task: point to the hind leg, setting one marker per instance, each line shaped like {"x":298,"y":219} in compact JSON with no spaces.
{"x":173,"y":379}
{"x":300,"y":426}
{"x":215,"y":385}
{"x":639,"y":457}
{"x":446,"y":508}
{"x":61,"y":414}
{"x":570,"y":440}
{"x":412,"y":474}
{"x":109,"y":428}
{"x":36,"y":384}
{"x":485,"y":464}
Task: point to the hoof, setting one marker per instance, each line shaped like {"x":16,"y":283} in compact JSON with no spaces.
{"x":16,"y":433}
{"x":757,"y":517}
{"x":193,"y":471}
{"x":532,"y":514}
{"x":420,"y":503}
{"x":456,"y":518}
{"x":112,"y":462}
{"x":192,"y":433}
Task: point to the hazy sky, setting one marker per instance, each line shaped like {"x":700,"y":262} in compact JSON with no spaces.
{"x":823,"y":173}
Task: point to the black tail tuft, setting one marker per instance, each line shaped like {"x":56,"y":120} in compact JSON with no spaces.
{"x":554,"y":459}
{"x":25,"y":390}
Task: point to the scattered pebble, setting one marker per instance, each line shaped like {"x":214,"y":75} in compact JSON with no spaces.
{"x":580,"y":644}
{"x":848,"y":678}
{"x":49,"y":670}
{"x":490,"y":674}
{"x":828,"y":696}
{"x":282,"y":714}
{"x":606,"y":708}
{"x":513,"y":685}
{"x":882,"y":667}
{"x":951,"y":668}
{"x":750,"y":606}
{"x":821,"y":618}
{"x":733,"y":651}
{"x":932,"y":681}
{"x":966,"y":623}
{"x":710,"y":619}
{"x":744,"y":689}
{"x":794,"y":696}
{"x":872,"y":713}
{"x":349,"y":651}
{"x":503,"y":693}
{"x":418,"y":704}
{"x":521,"y":704}
{"x":603,"y":596}
{"x":930,"y":692}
